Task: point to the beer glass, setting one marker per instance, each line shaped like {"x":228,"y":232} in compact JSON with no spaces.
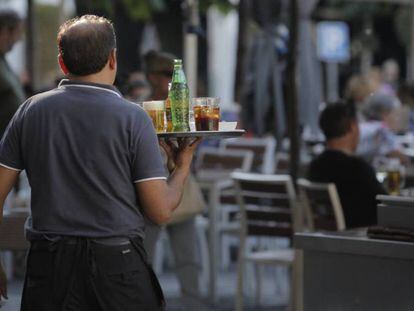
{"x":156,"y":110}
{"x":395,"y":176}
{"x":206,"y":112}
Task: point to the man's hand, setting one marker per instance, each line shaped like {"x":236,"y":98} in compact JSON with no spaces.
{"x":181,"y":154}
{"x":3,"y":283}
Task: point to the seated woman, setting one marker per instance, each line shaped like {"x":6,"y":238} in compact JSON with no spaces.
{"x":377,"y":139}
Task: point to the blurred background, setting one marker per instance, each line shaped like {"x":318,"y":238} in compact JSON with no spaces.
{"x":275,"y":64}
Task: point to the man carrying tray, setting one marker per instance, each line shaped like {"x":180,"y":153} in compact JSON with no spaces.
{"x":93,"y":162}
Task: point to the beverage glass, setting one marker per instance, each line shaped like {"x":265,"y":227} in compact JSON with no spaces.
{"x":156,"y":110}
{"x":206,"y":113}
{"x":395,"y":176}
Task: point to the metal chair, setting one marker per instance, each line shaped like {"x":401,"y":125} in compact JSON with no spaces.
{"x":322,"y":206}
{"x":213,"y":170}
{"x":267,"y":204}
{"x":263,"y":151}
{"x":263,"y":162}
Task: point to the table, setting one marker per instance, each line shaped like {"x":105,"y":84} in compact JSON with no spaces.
{"x":348,"y":271}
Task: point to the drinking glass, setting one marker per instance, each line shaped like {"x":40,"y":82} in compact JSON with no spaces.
{"x":156,"y":110}
{"x":392,"y":172}
{"x":206,"y":112}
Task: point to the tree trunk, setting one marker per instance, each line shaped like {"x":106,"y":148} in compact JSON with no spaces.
{"x":292,"y":107}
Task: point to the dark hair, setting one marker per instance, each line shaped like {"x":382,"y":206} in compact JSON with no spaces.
{"x":336,"y":119}
{"x":85,"y":44}
{"x":9,"y":19}
{"x":159,"y":63}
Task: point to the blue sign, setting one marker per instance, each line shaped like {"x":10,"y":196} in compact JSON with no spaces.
{"x":333,"y":43}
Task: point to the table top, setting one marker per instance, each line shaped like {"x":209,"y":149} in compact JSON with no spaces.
{"x":353,"y":242}
{"x":204,"y":134}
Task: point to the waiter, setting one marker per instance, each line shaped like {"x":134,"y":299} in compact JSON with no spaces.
{"x":94,"y":165}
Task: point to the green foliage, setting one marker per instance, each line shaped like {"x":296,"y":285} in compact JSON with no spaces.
{"x":352,"y":10}
{"x":143,"y":9}
{"x":225,"y":6}
{"x":102,"y":5}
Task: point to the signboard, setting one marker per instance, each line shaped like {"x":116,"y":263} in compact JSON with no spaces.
{"x":333,"y":42}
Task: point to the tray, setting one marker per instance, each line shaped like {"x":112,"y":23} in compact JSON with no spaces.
{"x":204,"y":134}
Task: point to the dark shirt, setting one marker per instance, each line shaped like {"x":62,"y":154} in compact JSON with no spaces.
{"x":355,"y":181}
{"x":83,"y":147}
{"x":11,"y":93}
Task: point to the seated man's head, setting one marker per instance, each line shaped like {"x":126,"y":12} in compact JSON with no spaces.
{"x":11,"y":30}
{"x":87,"y":46}
{"x":159,"y":68}
{"x":339,"y":125}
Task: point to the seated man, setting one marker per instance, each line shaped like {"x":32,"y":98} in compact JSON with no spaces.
{"x":354,"y":178}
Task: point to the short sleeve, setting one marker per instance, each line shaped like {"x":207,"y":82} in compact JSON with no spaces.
{"x":146,"y":157}
{"x":10,"y":144}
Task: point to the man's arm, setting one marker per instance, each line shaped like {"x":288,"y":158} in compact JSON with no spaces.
{"x":160,"y":198}
{"x":8,"y":178}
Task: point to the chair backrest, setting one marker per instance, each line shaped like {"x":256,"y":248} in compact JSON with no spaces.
{"x":266,"y":203}
{"x":263,"y":151}
{"x":213,"y":163}
{"x":12,"y":231}
{"x":282,"y":163}
{"x":322,"y":205}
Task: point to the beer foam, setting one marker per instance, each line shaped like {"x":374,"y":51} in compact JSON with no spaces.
{"x":154,"y":105}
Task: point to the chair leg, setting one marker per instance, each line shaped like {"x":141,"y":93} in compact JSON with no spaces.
{"x":240,"y":274}
{"x":225,"y":252}
{"x":258,"y":283}
{"x":239,"y":294}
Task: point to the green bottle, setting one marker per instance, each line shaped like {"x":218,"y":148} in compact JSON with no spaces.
{"x":180,"y":99}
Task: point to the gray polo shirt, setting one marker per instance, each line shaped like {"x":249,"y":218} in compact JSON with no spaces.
{"x":83,"y":147}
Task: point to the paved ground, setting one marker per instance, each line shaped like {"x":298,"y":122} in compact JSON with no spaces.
{"x":274,"y":293}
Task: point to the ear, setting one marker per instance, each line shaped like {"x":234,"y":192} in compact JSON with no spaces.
{"x":112,"y":60}
{"x":62,"y":65}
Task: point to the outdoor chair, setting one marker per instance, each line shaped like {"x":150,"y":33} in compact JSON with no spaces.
{"x":263,"y":151}
{"x":267,"y":204}
{"x":213,"y":169}
{"x":322,"y":206}
{"x":263,"y":162}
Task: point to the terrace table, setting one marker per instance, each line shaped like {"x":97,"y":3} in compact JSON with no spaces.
{"x":348,"y":271}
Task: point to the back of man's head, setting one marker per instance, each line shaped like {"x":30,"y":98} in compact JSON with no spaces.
{"x":336,"y":119}
{"x":9,"y":20}
{"x":85,"y":44}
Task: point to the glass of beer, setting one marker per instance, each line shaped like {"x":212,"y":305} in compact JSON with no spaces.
{"x":206,"y":112}
{"x":395,"y":176}
{"x":156,"y":110}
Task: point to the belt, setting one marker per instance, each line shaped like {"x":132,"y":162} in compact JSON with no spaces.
{"x":110,"y":241}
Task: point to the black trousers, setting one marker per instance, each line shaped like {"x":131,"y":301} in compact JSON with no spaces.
{"x":79,"y":274}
